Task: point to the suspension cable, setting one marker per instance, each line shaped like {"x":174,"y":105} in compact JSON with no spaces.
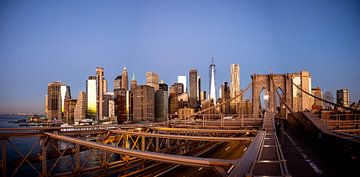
{"x":282,"y":100}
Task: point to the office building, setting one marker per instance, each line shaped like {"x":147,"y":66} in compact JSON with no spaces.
{"x":108,"y":97}
{"x":144,"y":103}
{"x":57,"y":93}
{"x":69,"y":111}
{"x":225,"y":97}
{"x":198,"y":91}
{"x":316,"y":103}
{"x":100,"y":92}
{"x":118,"y":82}
{"x":212,"y":82}
{"x":120,"y":105}
{"x":65,"y":94}
{"x":343,"y":97}
{"x":125,"y":82}
{"x":182,"y":79}
{"x":235,"y":87}
{"x":152,"y":80}
{"x":133,"y":84}
{"x":301,"y":101}
{"x":80,"y":108}
{"x":161,"y":103}
{"x":91,"y":97}
{"x":193,"y":78}
{"x":175,"y":90}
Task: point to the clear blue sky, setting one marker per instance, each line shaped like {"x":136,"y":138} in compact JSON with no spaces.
{"x":44,"y":41}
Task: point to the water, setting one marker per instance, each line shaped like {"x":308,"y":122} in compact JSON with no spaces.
{"x":24,"y":144}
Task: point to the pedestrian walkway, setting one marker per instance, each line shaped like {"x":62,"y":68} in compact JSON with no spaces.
{"x":306,"y":160}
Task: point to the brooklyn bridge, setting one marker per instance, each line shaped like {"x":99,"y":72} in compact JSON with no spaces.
{"x":263,"y":142}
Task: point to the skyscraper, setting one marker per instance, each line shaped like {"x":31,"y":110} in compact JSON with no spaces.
{"x":91,"y":97}
{"x":316,"y":103}
{"x":301,"y":101}
{"x":212,"y":82}
{"x":125,"y":82}
{"x":175,"y":91}
{"x":144,"y":103}
{"x":108,"y":97}
{"x":198,"y":88}
{"x":152,"y":80}
{"x":54,"y":104}
{"x":225,"y":96}
{"x":182,"y":79}
{"x":65,"y":94}
{"x":342,"y":97}
{"x":80,"y":108}
{"x":120,"y":104}
{"x":161,"y":103}
{"x":100,"y":92}
{"x":193,"y":78}
{"x":133,"y":82}
{"x":69,"y":110}
{"x":235,"y":86}
{"x":118,"y":82}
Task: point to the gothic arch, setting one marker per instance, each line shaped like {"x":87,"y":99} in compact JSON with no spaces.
{"x":282,"y":81}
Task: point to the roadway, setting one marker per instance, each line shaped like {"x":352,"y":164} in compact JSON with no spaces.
{"x":227,"y":150}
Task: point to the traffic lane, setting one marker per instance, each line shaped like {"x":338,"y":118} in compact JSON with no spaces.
{"x":228,"y":150}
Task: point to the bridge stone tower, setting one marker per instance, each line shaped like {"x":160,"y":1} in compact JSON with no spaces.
{"x":264,"y":82}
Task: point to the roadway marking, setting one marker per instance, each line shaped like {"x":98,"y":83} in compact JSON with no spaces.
{"x":245,"y":149}
{"x":303,"y":155}
{"x":227,"y":148}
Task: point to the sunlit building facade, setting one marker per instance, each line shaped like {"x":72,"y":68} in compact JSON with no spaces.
{"x":182,"y":79}
{"x":125,"y":79}
{"x":343,"y":97}
{"x":302,"y":101}
{"x":212,"y":82}
{"x":152,"y":80}
{"x":65,"y":94}
{"x":235,"y":87}
{"x":91,"y":97}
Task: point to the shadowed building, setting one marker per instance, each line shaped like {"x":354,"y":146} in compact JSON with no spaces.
{"x":120,"y":104}
{"x":175,"y":90}
{"x":100,"y":92}
{"x":69,"y":110}
{"x":80,"y":108}
{"x":225,"y":96}
{"x":193,"y":96}
{"x":161,"y":103}
{"x":144,"y":103}
{"x":316,"y":103}
{"x":108,"y":97}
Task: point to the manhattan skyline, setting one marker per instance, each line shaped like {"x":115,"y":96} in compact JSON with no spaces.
{"x":44,"y":41}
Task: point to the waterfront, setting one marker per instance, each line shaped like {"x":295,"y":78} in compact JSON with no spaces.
{"x":25,"y":143}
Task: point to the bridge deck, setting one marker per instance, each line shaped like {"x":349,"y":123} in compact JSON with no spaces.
{"x":167,"y":158}
{"x":270,"y":160}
